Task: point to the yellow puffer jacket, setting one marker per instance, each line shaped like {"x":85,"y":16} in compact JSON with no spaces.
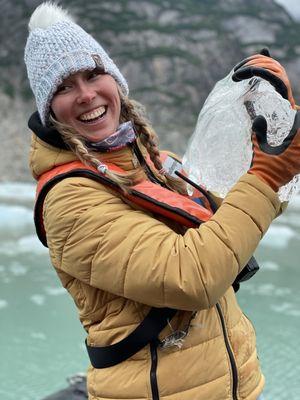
{"x":117,"y":262}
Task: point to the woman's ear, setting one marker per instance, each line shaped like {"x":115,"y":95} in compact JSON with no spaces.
{"x":52,"y":117}
{"x":124,"y":109}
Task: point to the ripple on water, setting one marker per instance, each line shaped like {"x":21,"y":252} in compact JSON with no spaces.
{"x":3,"y":304}
{"x":38,"y":299}
{"x":278,"y":236}
{"x":267,"y":289}
{"x":15,"y":217}
{"x":286,"y":308}
{"x":27,"y":244}
{"x":38,"y":335}
{"x":11,"y":190}
{"x":18,"y":269}
{"x":290,"y":218}
{"x":55,"y":291}
{"x":31,"y":244}
{"x":269,"y":266}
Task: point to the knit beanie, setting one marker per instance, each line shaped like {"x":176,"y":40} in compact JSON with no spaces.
{"x":56,"y":48}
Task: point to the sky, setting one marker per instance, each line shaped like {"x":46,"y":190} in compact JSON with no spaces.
{"x":293,"y":7}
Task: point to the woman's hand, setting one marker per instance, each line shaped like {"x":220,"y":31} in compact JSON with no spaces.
{"x":275,"y":165}
{"x":262,"y":65}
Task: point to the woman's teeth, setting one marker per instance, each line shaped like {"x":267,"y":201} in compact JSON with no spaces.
{"x":95,"y":114}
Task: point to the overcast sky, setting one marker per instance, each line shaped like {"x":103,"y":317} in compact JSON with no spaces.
{"x":293,"y":7}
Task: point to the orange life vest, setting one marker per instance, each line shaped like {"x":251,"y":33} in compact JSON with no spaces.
{"x":146,"y":194}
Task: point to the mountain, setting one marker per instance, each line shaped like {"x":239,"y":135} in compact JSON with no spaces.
{"x":292,"y":7}
{"x":171,"y":53}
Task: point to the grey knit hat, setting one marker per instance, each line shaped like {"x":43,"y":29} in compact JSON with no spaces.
{"x":56,"y":48}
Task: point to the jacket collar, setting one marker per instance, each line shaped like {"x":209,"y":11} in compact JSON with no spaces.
{"x":46,"y":134}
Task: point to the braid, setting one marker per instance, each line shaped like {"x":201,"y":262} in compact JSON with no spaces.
{"x":79,"y":149}
{"x":134,"y":111}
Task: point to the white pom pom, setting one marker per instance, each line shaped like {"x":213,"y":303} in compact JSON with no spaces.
{"x":47,"y":14}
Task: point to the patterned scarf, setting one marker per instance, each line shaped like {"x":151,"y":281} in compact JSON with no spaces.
{"x":121,"y":138}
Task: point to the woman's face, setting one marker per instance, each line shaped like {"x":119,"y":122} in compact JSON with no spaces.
{"x":89,"y":102}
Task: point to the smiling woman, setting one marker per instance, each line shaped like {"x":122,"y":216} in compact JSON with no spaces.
{"x":89,"y":102}
{"x":150,"y":269}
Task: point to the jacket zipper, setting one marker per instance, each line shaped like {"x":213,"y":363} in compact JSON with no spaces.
{"x":230,"y":354}
{"x":153,"y":377}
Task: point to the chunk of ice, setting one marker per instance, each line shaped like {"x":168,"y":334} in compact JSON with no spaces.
{"x":220,"y":149}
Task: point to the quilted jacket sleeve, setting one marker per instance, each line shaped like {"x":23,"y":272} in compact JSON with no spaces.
{"x":97,"y":238}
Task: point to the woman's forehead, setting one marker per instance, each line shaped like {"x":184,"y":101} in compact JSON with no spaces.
{"x":76,"y":75}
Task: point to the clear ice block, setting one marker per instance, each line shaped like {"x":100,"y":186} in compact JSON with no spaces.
{"x":220,"y":150}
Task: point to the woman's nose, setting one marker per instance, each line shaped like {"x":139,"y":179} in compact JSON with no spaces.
{"x":85,"y":94}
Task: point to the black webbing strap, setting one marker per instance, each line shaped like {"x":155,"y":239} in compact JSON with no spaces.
{"x":145,"y":333}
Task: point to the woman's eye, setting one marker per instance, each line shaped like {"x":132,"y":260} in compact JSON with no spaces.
{"x":62,"y":88}
{"x":94,"y":74}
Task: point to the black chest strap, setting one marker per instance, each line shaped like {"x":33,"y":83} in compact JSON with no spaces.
{"x":145,"y":333}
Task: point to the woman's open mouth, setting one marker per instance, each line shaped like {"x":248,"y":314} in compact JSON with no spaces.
{"x":93,"y":116}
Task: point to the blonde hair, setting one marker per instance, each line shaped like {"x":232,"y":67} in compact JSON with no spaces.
{"x":130,"y":111}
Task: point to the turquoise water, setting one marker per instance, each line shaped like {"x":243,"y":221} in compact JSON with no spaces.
{"x":42,"y":341}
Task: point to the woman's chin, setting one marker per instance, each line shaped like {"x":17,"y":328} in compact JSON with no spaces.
{"x":95,"y":136}
{"x":96,"y":131}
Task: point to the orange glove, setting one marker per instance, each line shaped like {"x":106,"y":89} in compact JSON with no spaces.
{"x":275,"y":165}
{"x":264,"y":66}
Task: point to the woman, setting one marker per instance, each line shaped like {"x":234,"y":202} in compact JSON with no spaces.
{"x":125,"y":241}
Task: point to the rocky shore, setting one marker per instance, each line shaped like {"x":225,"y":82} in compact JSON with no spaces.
{"x":76,"y":390}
